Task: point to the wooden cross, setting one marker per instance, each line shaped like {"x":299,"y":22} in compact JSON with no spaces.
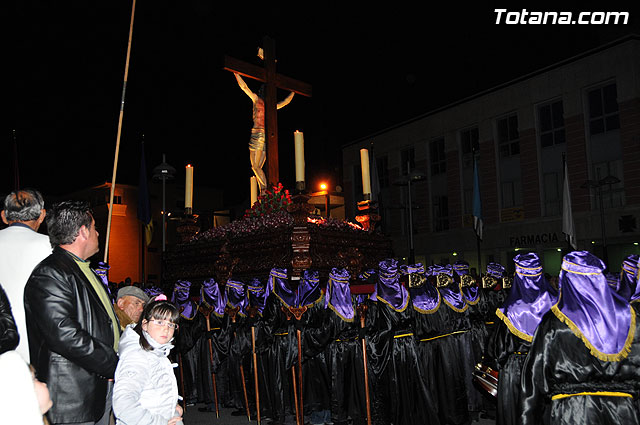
{"x":272,"y":80}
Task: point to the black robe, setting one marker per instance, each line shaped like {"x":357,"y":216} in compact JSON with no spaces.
{"x":559,"y":363}
{"x":220,"y":351}
{"x":506,"y":353}
{"x":400,"y":386}
{"x":188,"y":343}
{"x":445,"y":347}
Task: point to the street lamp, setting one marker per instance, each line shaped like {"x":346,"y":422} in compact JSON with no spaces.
{"x":597,"y":184}
{"x":163,"y":172}
{"x":411,"y":177}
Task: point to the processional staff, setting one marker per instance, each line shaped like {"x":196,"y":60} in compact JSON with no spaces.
{"x":232,"y":312}
{"x":115,"y":160}
{"x":297,"y":313}
{"x":252,"y":313}
{"x":207,"y":313}
{"x":362,"y":312}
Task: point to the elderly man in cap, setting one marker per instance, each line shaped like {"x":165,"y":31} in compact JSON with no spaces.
{"x":129,"y":305}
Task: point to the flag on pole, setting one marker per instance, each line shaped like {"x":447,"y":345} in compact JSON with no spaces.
{"x":568,"y":226}
{"x":144,"y":208}
{"x":478,"y":225}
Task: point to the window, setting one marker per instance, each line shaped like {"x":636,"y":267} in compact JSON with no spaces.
{"x":603,"y":109}
{"x":440,"y":213}
{"x":469,"y":140}
{"x":551,"y":194}
{"x":612,"y":194}
{"x":551,"y":122}
{"x":407,"y":160}
{"x":511,"y":194}
{"x":437,"y":157}
{"x":382,"y":166}
{"x":508,"y":137}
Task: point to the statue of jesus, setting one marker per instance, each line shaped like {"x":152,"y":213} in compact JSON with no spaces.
{"x":257,"y":146}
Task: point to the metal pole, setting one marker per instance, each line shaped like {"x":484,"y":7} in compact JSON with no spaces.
{"x":605,"y":256}
{"x":411,"y":251}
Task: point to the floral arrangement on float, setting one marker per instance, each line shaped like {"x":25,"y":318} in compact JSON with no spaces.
{"x":268,"y":213}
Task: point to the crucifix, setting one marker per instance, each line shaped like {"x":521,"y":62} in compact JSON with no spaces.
{"x":272,"y":81}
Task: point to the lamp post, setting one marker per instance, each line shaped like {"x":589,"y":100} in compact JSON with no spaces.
{"x":163,"y":172}
{"x":411,"y":177}
{"x":597,"y":184}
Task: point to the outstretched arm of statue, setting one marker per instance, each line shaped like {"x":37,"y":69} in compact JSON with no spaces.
{"x":245,"y":88}
{"x":286,"y":101}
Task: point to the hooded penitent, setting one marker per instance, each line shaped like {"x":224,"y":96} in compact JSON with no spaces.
{"x":530,"y":298}
{"x":449,"y":289}
{"x":181,"y":299}
{"x":468,"y":284}
{"x":213,"y":296}
{"x":388,"y":288}
{"x":597,"y":315}
{"x":338,"y":294}
{"x":425,"y":297}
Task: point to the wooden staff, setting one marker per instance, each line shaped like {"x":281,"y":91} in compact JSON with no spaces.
{"x":207,"y":313}
{"x":115,"y":160}
{"x":252,"y":313}
{"x":300,"y":373}
{"x":295,"y":394}
{"x":362,"y":310}
{"x":232,"y":314}
{"x":289,"y":311}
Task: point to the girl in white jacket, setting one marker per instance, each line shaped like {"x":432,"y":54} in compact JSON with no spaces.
{"x":145,"y":391}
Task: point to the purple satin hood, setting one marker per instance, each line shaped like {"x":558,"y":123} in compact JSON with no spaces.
{"x":338,"y":294}
{"x":451,"y":294}
{"x":426,"y":298}
{"x":213,"y":296}
{"x":471,"y":293}
{"x":236,"y":296}
{"x":389,"y":290}
{"x":309,"y":290}
{"x":627,"y":286}
{"x":281,"y":287}
{"x":181,"y":299}
{"x":257,"y":294}
{"x":593,"y":311}
{"x":530,"y":298}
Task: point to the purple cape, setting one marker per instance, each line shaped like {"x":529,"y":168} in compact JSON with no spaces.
{"x":213,"y":297}
{"x":597,"y":315}
{"x":530,"y":298}
{"x":389,"y":290}
{"x":338,"y":295}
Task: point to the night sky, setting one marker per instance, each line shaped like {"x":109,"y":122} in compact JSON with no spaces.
{"x":370,"y":68}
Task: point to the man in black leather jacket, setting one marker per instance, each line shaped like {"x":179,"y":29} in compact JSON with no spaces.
{"x":8,"y":333}
{"x":73,"y":330}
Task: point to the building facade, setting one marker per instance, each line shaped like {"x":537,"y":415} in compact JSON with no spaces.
{"x":584,"y":110}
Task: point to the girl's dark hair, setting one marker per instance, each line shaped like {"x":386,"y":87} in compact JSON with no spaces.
{"x":159,"y":310}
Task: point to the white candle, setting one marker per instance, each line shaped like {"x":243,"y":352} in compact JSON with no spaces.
{"x":299,"y":149}
{"x":253,"y":183}
{"x":188,"y":187}
{"x":366,"y":180}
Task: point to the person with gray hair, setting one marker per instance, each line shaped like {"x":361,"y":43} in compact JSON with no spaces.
{"x":21,"y":249}
{"x":72,"y":327}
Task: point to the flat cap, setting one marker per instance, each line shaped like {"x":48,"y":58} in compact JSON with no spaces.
{"x":134,"y":291}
